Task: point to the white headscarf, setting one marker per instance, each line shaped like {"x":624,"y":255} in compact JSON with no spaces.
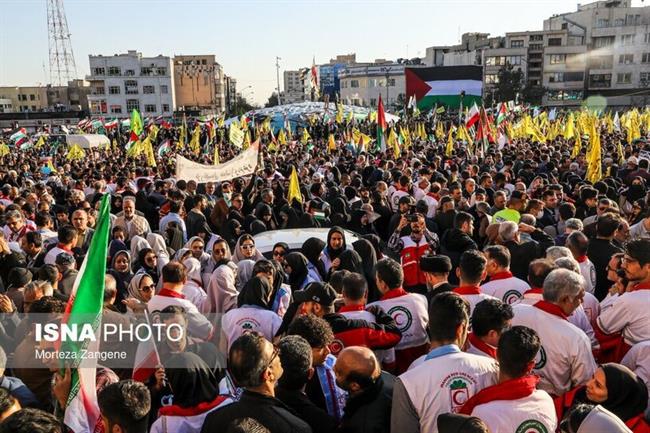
{"x":138,"y":243}
{"x":193,"y":270}
{"x":159,"y":247}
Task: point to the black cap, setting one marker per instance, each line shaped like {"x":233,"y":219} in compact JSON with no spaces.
{"x":19,"y":277}
{"x":435,"y":264}
{"x":406,"y":199}
{"x":64,"y":259}
{"x":321,"y":293}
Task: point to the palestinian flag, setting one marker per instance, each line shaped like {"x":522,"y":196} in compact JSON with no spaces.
{"x":84,"y":309}
{"x":381,"y":126}
{"x":443,"y":85}
{"x":502,"y":113}
{"x":164,"y":148}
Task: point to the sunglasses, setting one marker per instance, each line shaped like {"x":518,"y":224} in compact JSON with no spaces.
{"x":148,"y":288}
{"x":278,"y":253}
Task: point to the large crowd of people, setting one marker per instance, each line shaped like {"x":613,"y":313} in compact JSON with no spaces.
{"x":455,"y":288}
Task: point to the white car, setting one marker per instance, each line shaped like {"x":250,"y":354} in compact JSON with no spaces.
{"x":265,"y":241}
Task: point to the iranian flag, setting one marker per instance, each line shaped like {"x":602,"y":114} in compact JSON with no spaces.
{"x":19,"y":138}
{"x":84,"y":309}
{"x":444,"y":85}
{"x":473,"y":116}
{"x":381,"y":126}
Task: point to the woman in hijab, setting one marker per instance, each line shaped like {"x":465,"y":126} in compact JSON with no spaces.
{"x":115,"y":246}
{"x":253,"y":313}
{"x":158,"y":246}
{"x":197,"y":246}
{"x":360,"y":223}
{"x":334,"y":247}
{"x":349,"y":260}
{"x":376,"y":245}
{"x":295,"y":265}
{"x":620,"y":391}
{"x":148,"y":263}
{"x":244,"y":273}
{"x":193,"y":288}
{"x":258,"y":227}
{"x":174,"y":236}
{"x":231,"y":232}
{"x":368,"y":261}
{"x":140,"y":291}
{"x":121,"y":270}
{"x":630,"y":195}
{"x":221,"y":288}
{"x":245,"y":249}
{"x":194,"y":393}
{"x":288,"y":217}
{"x":312,"y":248}
{"x":264,"y":213}
{"x":280,"y":250}
{"x":138,"y":243}
{"x":639,"y":210}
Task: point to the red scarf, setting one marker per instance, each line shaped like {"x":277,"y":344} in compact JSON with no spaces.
{"x":581,"y":259}
{"x":501,"y":276}
{"x":509,"y":390}
{"x":534,"y":291}
{"x":345,"y":308}
{"x":200,"y":408}
{"x":394,"y":293}
{"x":467,"y":290}
{"x":64,"y":248}
{"x":482,"y":345}
{"x":550,"y":309}
{"x":171,"y":294}
{"x":641,"y":286}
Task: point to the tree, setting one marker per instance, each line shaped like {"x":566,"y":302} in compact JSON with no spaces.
{"x":273,"y":100}
{"x":240,"y":106}
{"x":533,"y":94}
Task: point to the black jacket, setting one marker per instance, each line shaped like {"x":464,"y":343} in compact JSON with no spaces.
{"x":268,"y":411}
{"x":454,"y":242}
{"x":444,"y":287}
{"x":600,"y":252}
{"x":318,"y":419}
{"x":369,"y":412}
{"x":522,"y":254}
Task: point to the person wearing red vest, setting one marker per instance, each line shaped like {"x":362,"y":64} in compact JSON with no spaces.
{"x":490,"y":319}
{"x":470,"y":272}
{"x":514,"y":404}
{"x":626,"y":320}
{"x":410,"y":248}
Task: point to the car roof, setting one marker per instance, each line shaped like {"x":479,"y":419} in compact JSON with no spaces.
{"x":265,"y":241}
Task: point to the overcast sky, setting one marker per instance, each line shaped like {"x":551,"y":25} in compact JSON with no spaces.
{"x":247,"y":35}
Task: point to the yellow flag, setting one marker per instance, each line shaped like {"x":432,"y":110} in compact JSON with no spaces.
{"x":594,"y":165}
{"x":181,"y":136}
{"x":450,"y":142}
{"x":331,"y":144}
{"x":266,"y":125}
{"x":147,"y":149}
{"x":422,"y":131}
{"x":4,"y":150}
{"x":244,"y":122}
{"x":282,"y":137}
{"x":236,"y":135}
{"x":440,"y":132}
{"x":153,"y":132}
{"x":405,"y":136}
{"x":75,"y":153}
{"x":114,"y":144}
{"x":350,"y":117}
{"x":40,"y":142}
{"x":305,"y":136}
{"x":216,"y":154}
{"x":339,"y":113}
{"x":220,"y":121}
{"x":194,"y":142}
{"x":393,"y":142}
{"x":247,"y":140}
{"x":294,"y":187}
{"x":621,"y":153}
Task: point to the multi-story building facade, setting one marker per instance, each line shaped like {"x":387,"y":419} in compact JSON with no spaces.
{"x":362,"y":84}
{"x":293,"y":88}
{"x":231,"y":93}
{"x":124,"y":82}
{"x":199,"y":84}
{"x":45,"y":98}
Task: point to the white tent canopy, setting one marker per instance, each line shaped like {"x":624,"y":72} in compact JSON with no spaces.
{"x":87,"y":141}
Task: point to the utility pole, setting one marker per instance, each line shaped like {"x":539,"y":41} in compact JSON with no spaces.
{"x":277,"y":70}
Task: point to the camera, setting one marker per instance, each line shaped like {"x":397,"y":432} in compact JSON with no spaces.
{"x":412,"y":218}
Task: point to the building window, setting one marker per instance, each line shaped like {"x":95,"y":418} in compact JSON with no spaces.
{"x":602,"y":22}
{"x":146,"y":70}
{"x":161,"y":71}
{"x":491,"y":78}
{"x":391,"y":82}
{"x":618,"y":22}
{"x":164,"y":89}
{"x":517,"y":44}
{"x":624,"y":78}
{"x":147,"y":90}
{"x":557,"y":77}
{"x":131,"y":87}
{"x":564,"y":95}
{"x":150,"y":108}
{"x":114,"y":71}
{"x":574,"y":76}
{"x":132,"y":104}
{"x":644,"y":79}
{"x":601,"y":62}
{"x":373,"y":101}
{"x":129,"y":73}
{"x":646,"y":38}
{"x":626,"y":59}
{"x":99,"y":71}
{"x":165,"y":108}
{"x":600,"y":80}
{"x":645,"y":58}
{"x":557,"y":59}
{"x":32,"y":97}
{"x":113,"y":90}
{"x":116,"y":109}
{"x":536,"y":37}
{"x":554,"y":42}
{"x":627,"y":39}
{"x":99,"y":91}
{"x":536,"y":46}
{"x":604,"y":41}
{"x":354,"y":83}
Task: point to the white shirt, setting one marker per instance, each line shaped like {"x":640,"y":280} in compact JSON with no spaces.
{"x":410,"y":313}
{"x":473,"y":299}
{"x":444,"y":384}
{"x":564,"y":360}
{"x":629,"y":313}
{"x":638,"y":231}
{"x":588,"y":271}
{"x":637,"y":359}
{"x":50,"y":257}
{"x":249,"y":318}
{"x":195,"y":294}
{"x":198,"y":325}
{"x":522,"y":415}
{"x":508,"y":290}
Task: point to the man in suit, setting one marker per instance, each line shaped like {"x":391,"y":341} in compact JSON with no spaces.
{"x":436,"y":271}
